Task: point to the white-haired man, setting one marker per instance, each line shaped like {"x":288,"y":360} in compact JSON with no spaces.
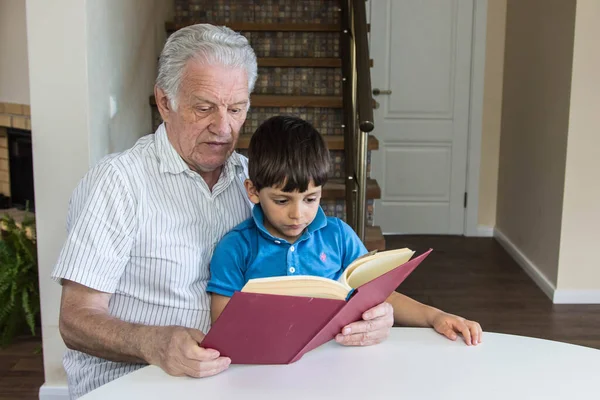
{"x":142,"y":224}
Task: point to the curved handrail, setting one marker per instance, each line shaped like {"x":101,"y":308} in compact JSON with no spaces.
{"x":358,"y":108}
{"x":363,"y":68}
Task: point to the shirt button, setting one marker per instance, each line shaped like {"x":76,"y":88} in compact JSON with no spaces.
{"x":292,"y":270}
{"x":277,"y":242}
{"x":292,"y":248}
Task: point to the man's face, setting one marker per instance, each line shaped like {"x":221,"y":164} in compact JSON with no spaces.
{"x":287,"y":214}
{"x":211,"y":108}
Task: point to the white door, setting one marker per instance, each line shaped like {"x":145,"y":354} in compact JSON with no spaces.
{"x":421,"y":51}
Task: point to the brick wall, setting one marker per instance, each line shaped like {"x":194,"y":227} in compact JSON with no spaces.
{"x":11,"y":116}
{"x":4,"y":176}
{"x":15,"y":116}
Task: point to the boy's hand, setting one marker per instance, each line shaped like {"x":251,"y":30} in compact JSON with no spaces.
{"x":448,"y":325}
{"x":373,"y":329}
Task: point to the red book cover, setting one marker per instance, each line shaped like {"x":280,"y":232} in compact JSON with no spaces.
{"x":274,"y":329}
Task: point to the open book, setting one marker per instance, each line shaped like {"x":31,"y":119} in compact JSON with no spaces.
{"x":285,"y":320}
{"x":359,"y":272}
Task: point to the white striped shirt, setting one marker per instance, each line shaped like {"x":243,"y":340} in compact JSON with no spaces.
{"x":143,"y":226}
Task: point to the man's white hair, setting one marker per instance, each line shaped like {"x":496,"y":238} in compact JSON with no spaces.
{"x":207,"y":44}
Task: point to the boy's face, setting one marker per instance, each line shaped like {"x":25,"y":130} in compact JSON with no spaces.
{"x":286,"y":214}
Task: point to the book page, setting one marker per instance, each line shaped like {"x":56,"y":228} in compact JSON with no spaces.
{"x":359,"y":261}
{"x":372,"y":267}
{"x":300,"y":285}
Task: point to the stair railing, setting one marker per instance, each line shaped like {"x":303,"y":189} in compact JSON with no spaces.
{"x":358,"y":109}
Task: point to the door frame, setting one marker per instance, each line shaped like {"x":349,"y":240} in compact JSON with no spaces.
{"x":478,"y":49}
{"x":471,"y":225}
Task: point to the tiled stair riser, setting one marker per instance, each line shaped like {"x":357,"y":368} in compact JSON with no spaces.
{"x":263,"y":11}
{"x":326,"y":120}
{"x":299,"y":81}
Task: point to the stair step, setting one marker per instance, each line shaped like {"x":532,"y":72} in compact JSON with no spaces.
{"x":274,"y":100}
{"x":301,"y":62}
{"x":334,"y":142}
{"x":329,"y":62}
{"x":262,"y":27}
{"x":336,"y":189}
{"x":374,"y":239}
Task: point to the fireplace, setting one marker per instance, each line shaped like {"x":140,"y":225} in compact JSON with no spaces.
{"x":20,"y":161}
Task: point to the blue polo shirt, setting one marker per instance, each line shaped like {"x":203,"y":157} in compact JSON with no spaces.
{"x":326,"y":248}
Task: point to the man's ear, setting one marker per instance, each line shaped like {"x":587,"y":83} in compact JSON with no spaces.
{"x":252,"y":192}
{"x":163,"y":103}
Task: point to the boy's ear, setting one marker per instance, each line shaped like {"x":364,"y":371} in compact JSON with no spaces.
{"x":252,"y":192}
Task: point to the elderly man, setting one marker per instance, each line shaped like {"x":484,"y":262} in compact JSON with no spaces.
{"x":142,"y":224}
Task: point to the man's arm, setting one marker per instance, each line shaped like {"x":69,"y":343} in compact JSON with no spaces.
{"x":86,"y":326}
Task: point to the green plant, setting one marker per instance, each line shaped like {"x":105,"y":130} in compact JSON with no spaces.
{"x":19,"y":292}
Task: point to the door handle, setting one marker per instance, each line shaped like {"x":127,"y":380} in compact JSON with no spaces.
{"x":377,"y":92}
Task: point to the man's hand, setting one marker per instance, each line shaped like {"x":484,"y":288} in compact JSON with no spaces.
{"x":448,"y":325}
{"x":176,"y":350}
{"x":87,"y":326}
{"x":374,"y":328}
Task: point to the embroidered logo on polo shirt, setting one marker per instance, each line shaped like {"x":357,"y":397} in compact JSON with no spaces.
{"x":323,"y":257}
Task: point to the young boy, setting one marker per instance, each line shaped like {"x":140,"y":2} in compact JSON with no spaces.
{"x":289,"y":234}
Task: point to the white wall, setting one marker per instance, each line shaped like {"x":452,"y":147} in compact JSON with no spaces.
{"x":548,"y":198}
{"x":492,"y":112}
{"x":578,"y":272}
{"x":538,"y":61}
{"x":80,"y":53}
{"x":60,"y":126}
{"x":14,"y":79}
{"x":124,"y":39}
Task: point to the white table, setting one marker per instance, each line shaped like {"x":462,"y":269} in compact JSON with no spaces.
{"x":412,"y":364}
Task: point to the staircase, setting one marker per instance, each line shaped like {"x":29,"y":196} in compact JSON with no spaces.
{"x":299,"y":73}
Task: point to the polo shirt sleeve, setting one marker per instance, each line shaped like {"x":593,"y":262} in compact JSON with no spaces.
{"x":352,"y":246}
{"x":101,"y":222}
{"x":227,"y":265}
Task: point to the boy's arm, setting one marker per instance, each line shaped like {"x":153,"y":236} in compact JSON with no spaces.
{"x":227,"y":268}
{"x":406,"y":311}
{"x":376,"y":323}
{"x":217,"y":305}
{"x":409,"y":312}
{"x":351,"y":245}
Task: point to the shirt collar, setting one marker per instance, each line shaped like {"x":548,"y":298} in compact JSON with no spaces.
{"x":319,"y":222}
{"x":171,"y":162}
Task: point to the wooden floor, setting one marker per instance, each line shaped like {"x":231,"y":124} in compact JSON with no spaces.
{"x":21,"y":370}
{"x":472,"y":277}
{"x":477,"y":279}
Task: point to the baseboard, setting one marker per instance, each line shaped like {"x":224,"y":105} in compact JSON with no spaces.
{"x":528,"y":266}
{"x":54,"y":392}
{"x":558,"y":296}
{"x":569,"y":296}
{"x":485,"y":231}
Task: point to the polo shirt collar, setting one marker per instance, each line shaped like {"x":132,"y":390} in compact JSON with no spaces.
{"x":319,"y":222}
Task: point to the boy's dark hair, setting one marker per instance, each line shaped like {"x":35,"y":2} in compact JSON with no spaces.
{"x":288,"y":151}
